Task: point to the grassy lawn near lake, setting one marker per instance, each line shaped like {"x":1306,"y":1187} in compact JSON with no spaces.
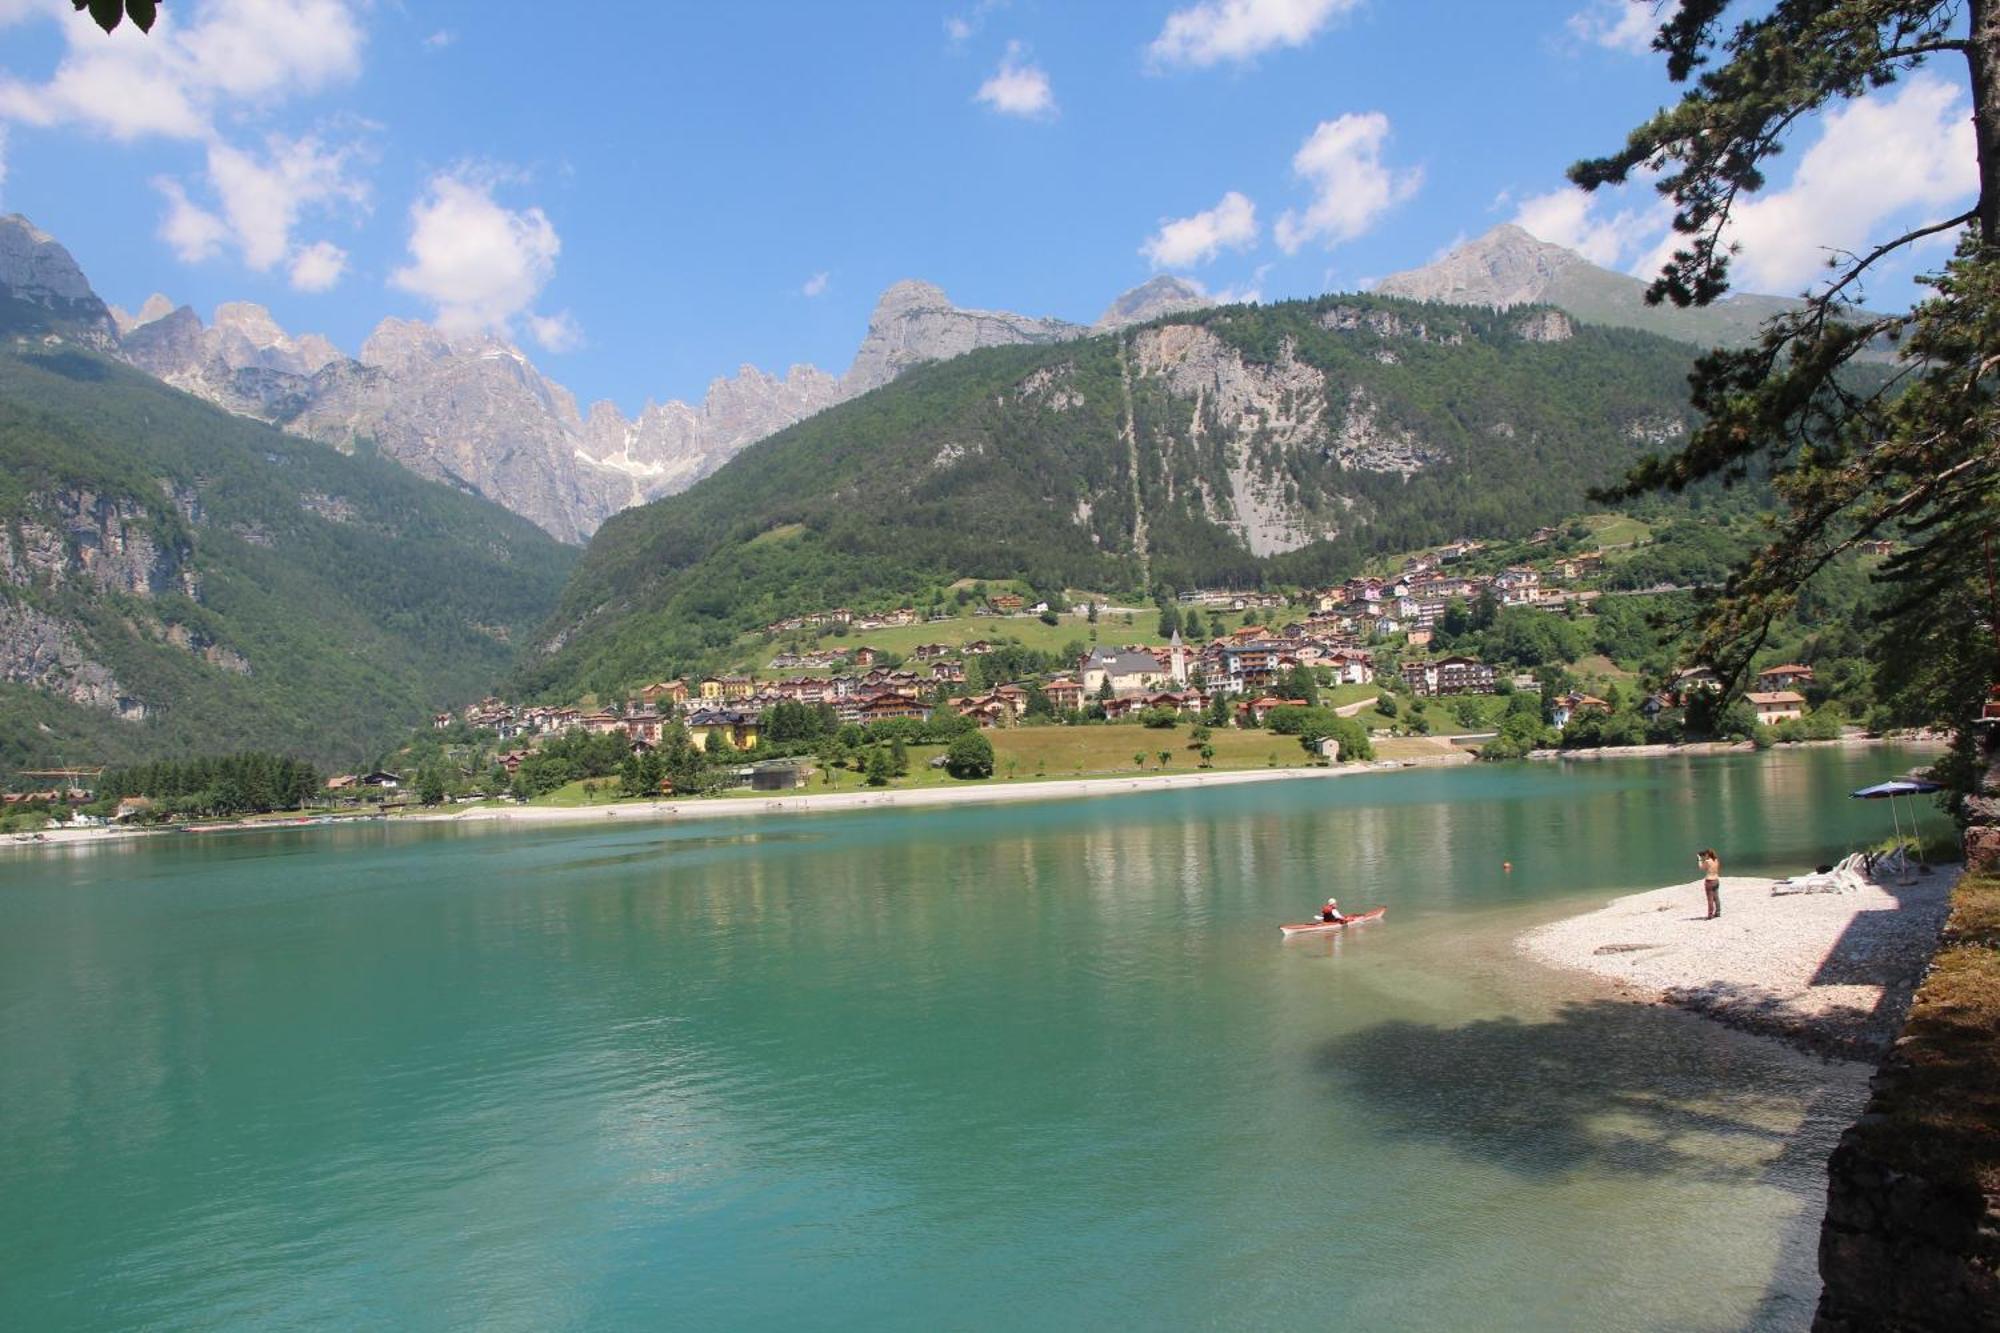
{"x":1338,"y":696}
{"x":755,"y":655}
{"x":1614,"y":530}
{"x":1596,"y":666}
{"x":1067,"y":752}
{"x":1024,"y":754}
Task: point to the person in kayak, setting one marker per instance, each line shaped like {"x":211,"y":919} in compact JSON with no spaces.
{"x":1331,"y":912}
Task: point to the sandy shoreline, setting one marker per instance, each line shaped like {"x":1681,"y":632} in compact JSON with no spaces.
{"x":737,"y":806}
{"x":1832,"y":972}
{"x":807,"y":803}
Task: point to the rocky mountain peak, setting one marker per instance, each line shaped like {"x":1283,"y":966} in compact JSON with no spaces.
{"x":248,"y":320}
{"x":915,"y":322}
{"x":245,"y":336}
{"x":1150,"y":300}
{"x":34,"y":266}
{"x":1505,"y":267}
{"x":398,"y":343}
{"x":157,"y":307}
{"x":907,"y":295}
{"x":35,"y":270}
{"x":165,"y":344}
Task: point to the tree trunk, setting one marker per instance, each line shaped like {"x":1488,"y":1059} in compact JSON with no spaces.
{"x":1983,"y":66}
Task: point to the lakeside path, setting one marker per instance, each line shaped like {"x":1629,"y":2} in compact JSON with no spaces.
{"x":1832,"y":972}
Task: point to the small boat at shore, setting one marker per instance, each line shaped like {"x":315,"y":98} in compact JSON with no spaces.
{"x":1322,"y":927}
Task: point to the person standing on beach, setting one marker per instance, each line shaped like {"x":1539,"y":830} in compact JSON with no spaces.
{"x":1711,"y":880}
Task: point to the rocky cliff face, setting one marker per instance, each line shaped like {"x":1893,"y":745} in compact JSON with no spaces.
{"x":40,"y":650}
{"x":477,"y":414}
{"x":1261,"y":418}
{"x":174,"y":578}
{"x":43,"y":291}
{"x":76,"y":542}
{"x":916,"y":322}
{"x":670,"y":446}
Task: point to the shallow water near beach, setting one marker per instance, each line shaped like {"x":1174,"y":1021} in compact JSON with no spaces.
{"x":1021,"y":1066}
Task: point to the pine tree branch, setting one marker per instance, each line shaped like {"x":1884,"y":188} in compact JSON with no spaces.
{"x":1889,"y":247}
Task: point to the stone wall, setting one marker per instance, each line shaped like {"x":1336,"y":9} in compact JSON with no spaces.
{"x":1901,"y":1251}
{"x":1911,"y":1239}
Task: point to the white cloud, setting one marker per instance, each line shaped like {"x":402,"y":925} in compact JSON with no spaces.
{"x":556,"y":333}
{"x":1621,"y":25}
{"x":14,"y":11}
{"x":440,"y":39}
{"x":1888,"y":160}
{"x":1180,"y":242}
{"x":262,"y":197}
{"x":1018,"y":88}
{"x":180,"y":82}
{"x":3,"y":159}
{"x":962,"y":27}
{"x":125,"y":85}
{"x":1904,"y":156}
{"x":194,"y":233}
{"x":174,"y":81}
{"x":1244,"y":293}
{"x":1587,"y":224}
{"x":1352,"y":187}
{"x":1216,"y":30}
{"x":317,"y":267}
{"x":253,"y":48}
{"x":479,"y":263}
{"x":816,"y":284}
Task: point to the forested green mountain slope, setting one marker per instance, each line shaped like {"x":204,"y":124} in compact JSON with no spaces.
{"x":1236,"y":446}
{"x":174,"y":579}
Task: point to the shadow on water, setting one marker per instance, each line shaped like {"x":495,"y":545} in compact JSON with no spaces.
{"x":1603,"y":1085}
{"x":1612,"y":1086}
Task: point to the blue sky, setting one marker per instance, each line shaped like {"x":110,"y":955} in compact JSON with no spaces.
{"x":647,"y":195}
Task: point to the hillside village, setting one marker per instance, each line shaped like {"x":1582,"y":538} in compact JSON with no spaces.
{"x":1463,"y":651}
{"x":817,"y":690}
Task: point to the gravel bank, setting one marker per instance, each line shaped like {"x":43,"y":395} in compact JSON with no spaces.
{"x":1829,"y":971}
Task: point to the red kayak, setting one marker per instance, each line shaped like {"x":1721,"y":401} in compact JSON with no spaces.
{"x":1320,"y":927}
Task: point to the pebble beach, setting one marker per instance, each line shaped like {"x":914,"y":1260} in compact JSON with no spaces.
{"x":1832,"y":972}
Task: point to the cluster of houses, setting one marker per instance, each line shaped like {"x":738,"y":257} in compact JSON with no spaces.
{"x":1775,"y":699}
{"x":840,"y":615}
{"x":1250,"y":664}
{"x":997,"y":604}
{"x":1213,"y":599}
{"x":1415,"y":600}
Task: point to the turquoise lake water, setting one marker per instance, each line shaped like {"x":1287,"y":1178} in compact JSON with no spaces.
{"x":1043,"y":1065}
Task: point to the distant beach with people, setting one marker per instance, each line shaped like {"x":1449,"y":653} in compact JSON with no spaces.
{"x":1831,"y":969}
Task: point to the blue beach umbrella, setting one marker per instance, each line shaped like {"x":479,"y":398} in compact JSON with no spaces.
{"x":1890,"y":790}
